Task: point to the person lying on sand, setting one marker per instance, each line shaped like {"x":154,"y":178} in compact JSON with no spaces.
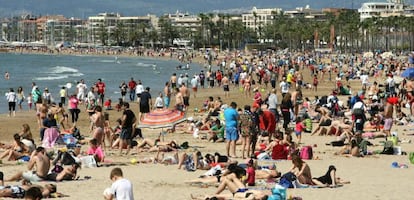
{"x":251,"y":194}
{"x":67,"y":173}
{"x":329,"y":179}
{"x":194,"y":161}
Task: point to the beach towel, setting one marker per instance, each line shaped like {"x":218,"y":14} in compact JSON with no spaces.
{"x":287,"y":180}
{"x":88,"y":162}
{"x":50,"y":137}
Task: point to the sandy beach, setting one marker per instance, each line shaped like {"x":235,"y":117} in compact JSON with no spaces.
{"x":371,"y":177}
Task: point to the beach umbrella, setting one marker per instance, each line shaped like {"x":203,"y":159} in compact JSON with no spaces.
{"x":408,"y":73}
{"x":162,"y":118}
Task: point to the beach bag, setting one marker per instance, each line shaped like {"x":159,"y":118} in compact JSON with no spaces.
{"x":57,"y":169}
{"x":287,"y":180}
{"x":88,"y":162}
{"x":279,"y":152}
{"x":388,"y":148}
{"x":306,"y":153}
{"x":411,"y":157}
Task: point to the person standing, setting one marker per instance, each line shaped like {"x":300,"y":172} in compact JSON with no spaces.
{"x":123,"y":87}
{"x":194,"y":85}
{"x":81,"y":90}
{"x":20,"y":97}
{"x":286,"y":106}
{"x":63,"y":94}
{"x":272,"y":102}
{"x":121,"y":188}
{"x":73,"y":108}
{"x":231,"y":116}
{"x":145,"y":103}
{"x":132,"y":84}
{"x":101,"y":91}
{"x":226,"y":82}
{"x":139,"y":89}
{"x":167,"y":94}
{"x":284,"y":87}
{"x":11,"y":99}
{"x":186,"y":95}
{"x":127,"y":123}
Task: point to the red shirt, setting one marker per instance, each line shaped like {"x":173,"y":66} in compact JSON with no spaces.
{"x":101,"y":87}
{"x":251,"y":176}
{"x":267,"y":121}
{"x":132,"y":84}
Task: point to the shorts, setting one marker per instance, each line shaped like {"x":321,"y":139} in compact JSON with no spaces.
{"x":16,"y":191}
{"x":194,"y":89}
{"x":31,"y":176}
{"x":226,"y":88}
{"x":298,"y":133}
{"x":387,"y":124}
{"x":232,"y":134}
{"x":186,"y":101}
{"x":144,"y":108}
{"x":126,"y":133}
{"x":327,"y":122}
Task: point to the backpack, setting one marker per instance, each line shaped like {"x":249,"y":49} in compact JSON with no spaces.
{"x":308,"y":125}
{"x":306,"y":153}
{"x":279,"y":152}
{"x":287,"y":180}
{"x":388,"y":148}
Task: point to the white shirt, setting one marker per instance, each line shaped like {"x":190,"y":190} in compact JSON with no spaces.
{"x":364,"y":79}
{"x":273,"y":101}
{"x":81,"y":88}
{"x":139,"y":89}
{"x":159,"y":103}
{"x":11,"y":96}
{"x":284,"y":87}
{"x":121,"y":189}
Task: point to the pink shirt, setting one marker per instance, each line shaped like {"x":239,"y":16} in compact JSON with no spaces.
{"x":299,"y":127}
{"x":96,"y":151}
{"x":73,"y":103}
{"x":251,"y":176}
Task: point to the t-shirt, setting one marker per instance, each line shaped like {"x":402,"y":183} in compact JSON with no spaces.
{"x":139,"y":89}
{"x":145,"y":98}
{"x":130,"y":116}
{"x":299,"y":127}
{"x":101,"y":87}
{"x":159,"y":103}
{"x":122,"y":189}
{"x":284,"y":87}
{"x":231,"y":116}
{"x":272,"y":101}
{"x":96,"y":151}
{"x":251,"y":176}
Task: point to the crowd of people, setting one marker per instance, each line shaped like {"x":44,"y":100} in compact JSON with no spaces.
{"x":279,"y":109}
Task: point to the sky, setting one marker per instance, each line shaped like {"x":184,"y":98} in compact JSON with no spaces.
{"x":84,"y":8}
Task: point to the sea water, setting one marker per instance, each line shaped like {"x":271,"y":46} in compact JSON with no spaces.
{"x":55,"y":71}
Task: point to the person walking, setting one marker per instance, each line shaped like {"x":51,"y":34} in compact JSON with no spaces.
{"x":127,"y":123}
{"x":132,"y":84}
{"x":11,"y":98}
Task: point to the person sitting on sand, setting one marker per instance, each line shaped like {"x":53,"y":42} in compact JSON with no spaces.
{"x":325,"y":121}
{"x":302,"y":170}
{"x":38,"y":160}
{"x":67,"y":174}
{"x":194,"y":161}
{"x":18,"y":150}
{"x":233,"y":183}
{"x":27,"y":137}
{"x":95,"y":150}
{"x":357,"y":146}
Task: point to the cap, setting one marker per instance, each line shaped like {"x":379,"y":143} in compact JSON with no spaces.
{"x":255,"y":105}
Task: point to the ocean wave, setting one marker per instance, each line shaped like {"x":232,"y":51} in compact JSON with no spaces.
{"x":107,"y":61}
{"x":44,"y":78}
{"x":140,"y":64}
{"x":77,"y":74}
{"x":62,"y":69}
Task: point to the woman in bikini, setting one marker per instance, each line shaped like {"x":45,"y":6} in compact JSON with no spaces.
{"x":302,"y":170}
{"x":18,"y":151}
{"x":247,"y":86}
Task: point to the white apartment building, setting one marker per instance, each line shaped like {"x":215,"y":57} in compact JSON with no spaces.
{"x":382,"y":9}
{"x":108,"y":22}
{"x":257,"y":18}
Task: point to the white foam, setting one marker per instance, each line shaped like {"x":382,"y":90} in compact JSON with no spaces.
{"x":50,"y":78}
{"x":62,"y":69}
{"x":144,"y":64}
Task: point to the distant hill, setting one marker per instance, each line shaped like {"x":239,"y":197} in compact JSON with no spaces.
{"x":85,"y":8}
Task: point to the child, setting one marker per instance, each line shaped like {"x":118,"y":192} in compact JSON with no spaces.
{"x":108,"y":104}
{"x":95,"y":150}
{"x":315,"y":83}
{"x":299,"y":127}
{"x":30,"y":101}
{"x":251,"y":173}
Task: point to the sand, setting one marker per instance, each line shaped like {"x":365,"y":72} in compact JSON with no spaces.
{"x":371,"y":177}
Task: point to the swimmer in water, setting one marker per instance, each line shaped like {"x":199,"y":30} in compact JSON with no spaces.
{"x":7,"y":76}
